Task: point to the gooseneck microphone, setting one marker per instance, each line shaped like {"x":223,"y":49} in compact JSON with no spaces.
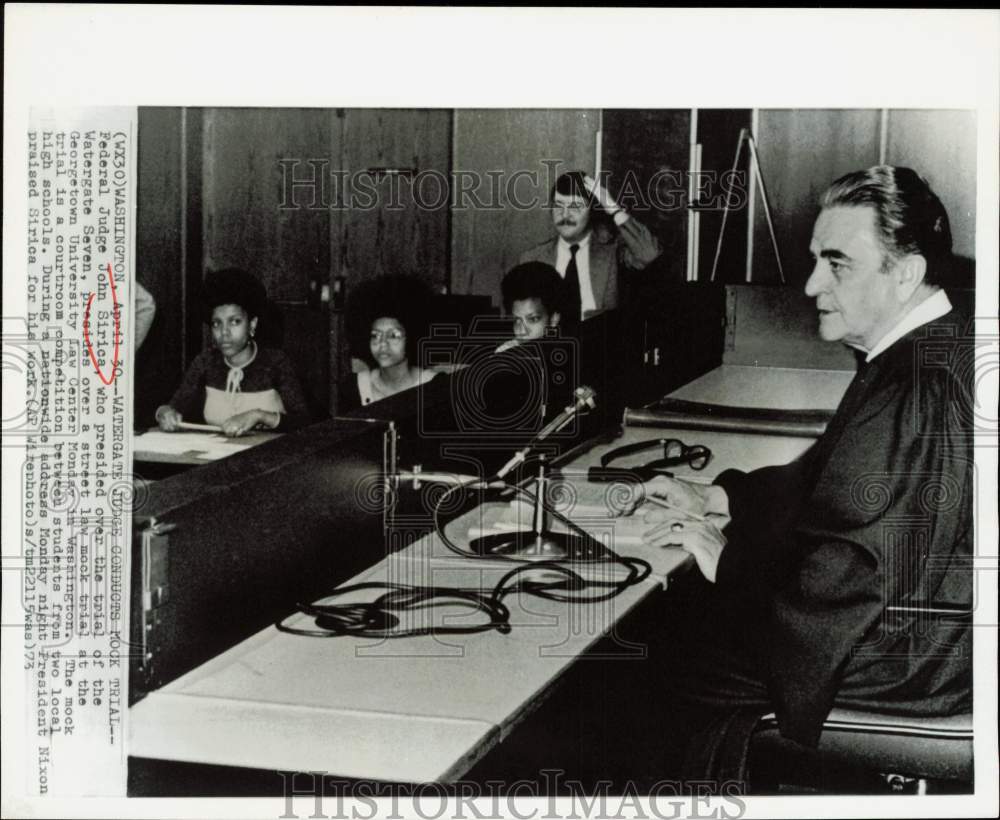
{"x":583,"y":398}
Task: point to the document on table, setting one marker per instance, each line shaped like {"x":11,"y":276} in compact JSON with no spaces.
{"x":204,"y":445}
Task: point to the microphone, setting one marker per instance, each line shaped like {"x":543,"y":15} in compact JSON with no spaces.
{"x":583,"y":398}
{"x":418,"y":475}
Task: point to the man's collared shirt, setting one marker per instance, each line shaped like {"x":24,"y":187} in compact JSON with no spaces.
{"x":582,"y":268}
{"x":933,"y":307}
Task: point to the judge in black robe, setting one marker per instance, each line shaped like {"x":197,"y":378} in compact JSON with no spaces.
{"x":818,"y":560}
{"x":877,"y":514}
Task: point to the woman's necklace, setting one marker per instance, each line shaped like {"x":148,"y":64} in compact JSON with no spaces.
{"x":235,"y":376}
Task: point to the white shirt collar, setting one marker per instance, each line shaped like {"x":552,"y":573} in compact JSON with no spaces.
{"x":933,"y":307}
{"x":583,"y":243}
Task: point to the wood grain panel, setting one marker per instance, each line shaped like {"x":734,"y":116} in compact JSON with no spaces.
{"x":398,"y":225}
{"x":244,"y":224}
{"x":159,"y":256}
{"x":638,"y":144}
{"x":502,"y":212}
{"x":941,"y":147}
{"x":801,"y":152}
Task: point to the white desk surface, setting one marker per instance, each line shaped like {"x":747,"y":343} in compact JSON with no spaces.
{"x":187,"y":447}
{"x":413,"y":710}
{"x":779,"y":388}
{"x":423,"y":708}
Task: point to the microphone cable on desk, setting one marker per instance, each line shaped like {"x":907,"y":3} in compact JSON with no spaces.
{"x":381,"y":618}
{"x":638,"y":569}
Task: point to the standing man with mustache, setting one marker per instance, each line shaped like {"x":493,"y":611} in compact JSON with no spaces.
{"x":589,"y":261}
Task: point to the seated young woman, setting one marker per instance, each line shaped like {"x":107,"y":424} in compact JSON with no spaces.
{"x":236,"y":385}
{"x":389,"y":318}
{"x":533,"y":296}
{"x":531,"y":376}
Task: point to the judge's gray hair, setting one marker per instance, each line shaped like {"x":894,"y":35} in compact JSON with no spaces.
{"x":908,"y":214}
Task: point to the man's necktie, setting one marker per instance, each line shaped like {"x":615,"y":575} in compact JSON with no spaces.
{"x":572,"y":283}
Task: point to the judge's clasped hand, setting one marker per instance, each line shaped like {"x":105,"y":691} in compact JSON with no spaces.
{"x":691,"y":517}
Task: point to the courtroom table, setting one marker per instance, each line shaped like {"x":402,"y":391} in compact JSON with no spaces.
{"x":157,"y":454}
{"x":428,"y":708}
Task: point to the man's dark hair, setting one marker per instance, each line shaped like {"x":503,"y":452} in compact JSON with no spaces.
{"x":908,"y":215}
{"x":533,"y":280}
{"x":571,"y":184}
{"x":232,"y":286}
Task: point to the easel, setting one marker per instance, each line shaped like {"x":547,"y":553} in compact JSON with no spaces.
{"x":747,"y":137}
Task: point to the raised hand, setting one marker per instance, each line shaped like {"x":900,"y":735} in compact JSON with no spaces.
{"x":600,"y":193}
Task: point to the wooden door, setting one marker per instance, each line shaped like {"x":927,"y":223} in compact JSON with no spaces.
{"x":643,"y":150}
{"x":393,"y":207}
{"x":397,"y":219}
{"x":251,"y":221}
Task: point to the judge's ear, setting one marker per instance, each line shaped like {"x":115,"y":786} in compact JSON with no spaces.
{"x":909,"y":273}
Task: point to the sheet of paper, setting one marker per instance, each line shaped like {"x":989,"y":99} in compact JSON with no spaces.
{"x":205,"y":445}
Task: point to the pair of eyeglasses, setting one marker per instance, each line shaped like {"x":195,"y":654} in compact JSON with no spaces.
{"x":675,"y":452}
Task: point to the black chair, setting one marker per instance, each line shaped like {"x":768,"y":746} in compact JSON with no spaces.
{"x":905,"y":755}
{"x":868,"y":751}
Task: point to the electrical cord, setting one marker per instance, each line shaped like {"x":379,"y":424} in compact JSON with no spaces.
{"x":520,"y":491}
{"x":381,"y":618}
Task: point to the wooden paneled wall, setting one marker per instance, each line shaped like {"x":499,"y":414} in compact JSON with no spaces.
{"x":941,"y":146}
{"x":511,"y":159}
{"x":637,"y":146}
{"x":361,"y":219}
{"x":406,"y":230}
{"x":160,"y":256}
{"x":801,"y":153}
{"x":245,"y":225}
{"x":211,"y":190}
{"x":247,"y":222}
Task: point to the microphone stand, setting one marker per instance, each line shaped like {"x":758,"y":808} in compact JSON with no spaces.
{"x":540,"y":543}
{"x":583,"y":398}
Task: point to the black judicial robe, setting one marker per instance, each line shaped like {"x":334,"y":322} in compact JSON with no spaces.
{"x":877,"y":513}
